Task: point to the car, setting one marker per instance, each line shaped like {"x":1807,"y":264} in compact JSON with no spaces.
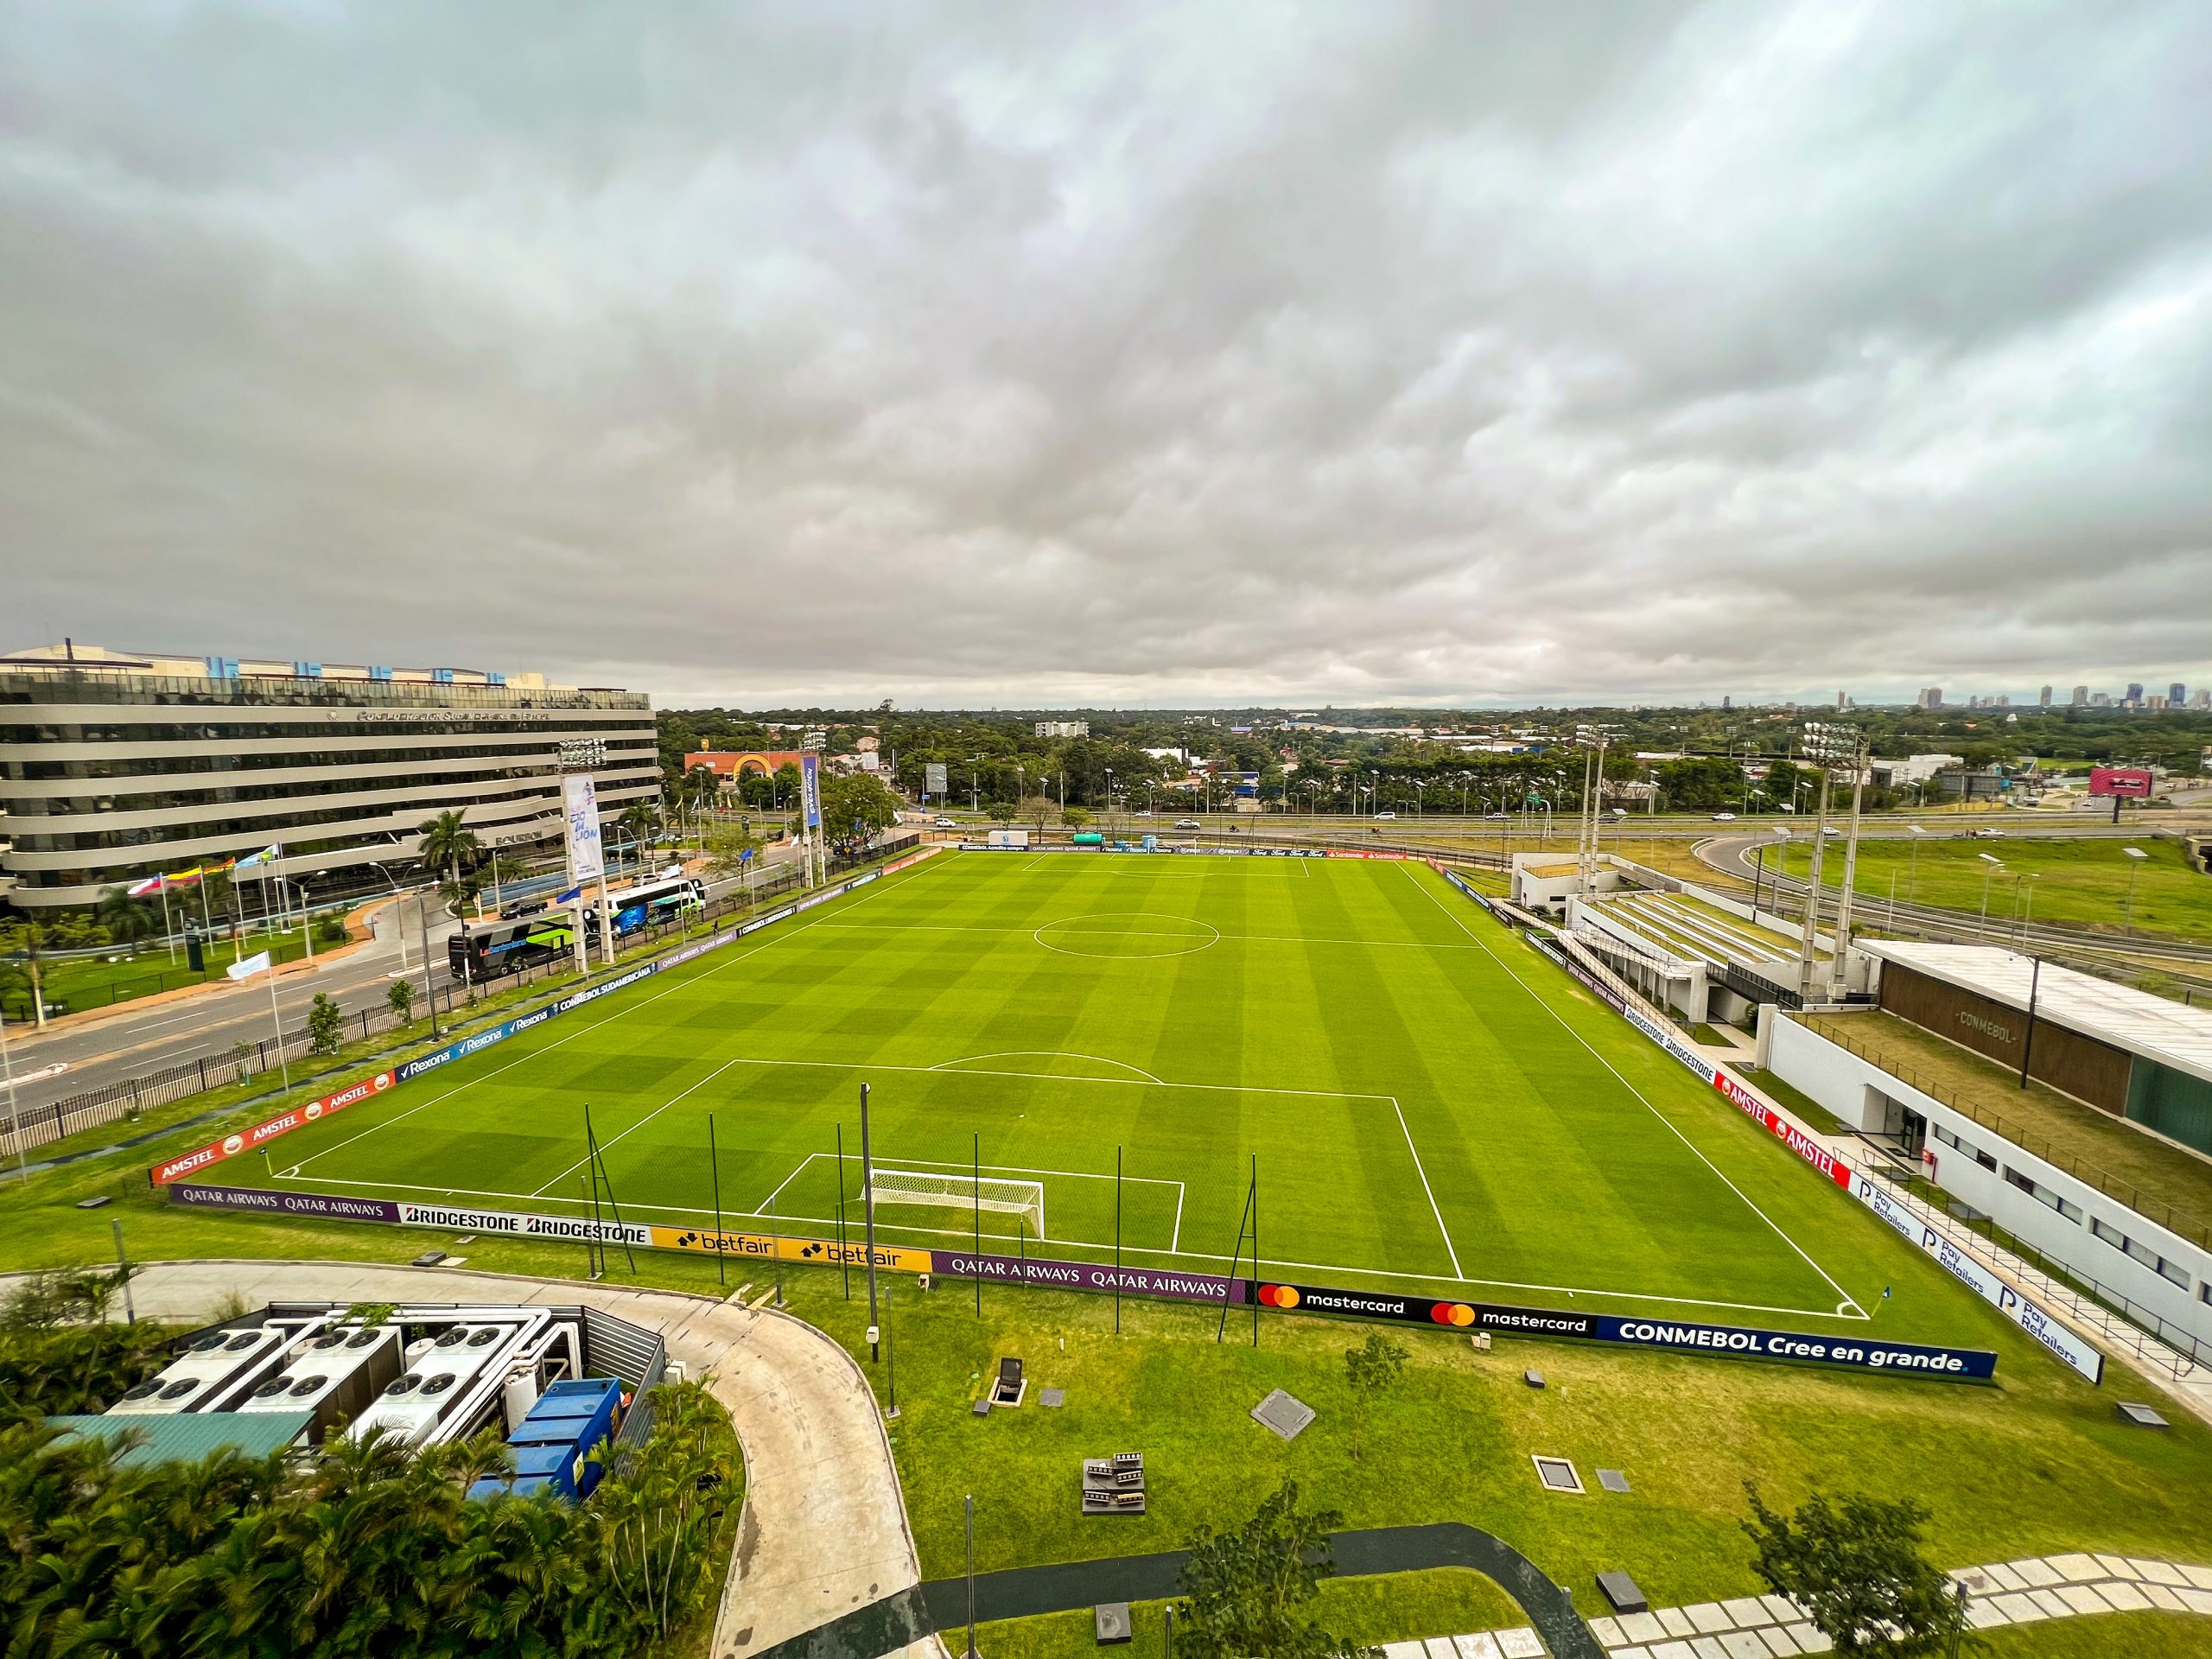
{"x":1497,"y":815}
{"x":1986,"y":834}
{"x":1188,"y":823}
{"x":521,"y":908}
{"x":1384,"y":817}
{"x":1724,"y":817}
{"x":944,"y":824}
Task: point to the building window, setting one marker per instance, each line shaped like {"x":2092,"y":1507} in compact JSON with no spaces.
{"x":2135,"y":1252}
{"x":1975,"y":1152}
{"x":2044,"y":1196}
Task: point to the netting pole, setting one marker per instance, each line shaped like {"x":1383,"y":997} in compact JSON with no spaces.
{"x":591,"y":1184}
{"x":975,"y":1154}
{"x":1117,"y":1241}
{"x":601,"y":1178}
{"x":1234,"y":1255}
{"x":844,"y":1261}
{"x":714,"y":1169}
{"x":867,"y":1225}
{"x":1255,"y":1246}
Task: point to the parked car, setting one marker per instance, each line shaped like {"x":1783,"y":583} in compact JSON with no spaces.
{"x":945,"y":823}
{"x":1188,"y":823}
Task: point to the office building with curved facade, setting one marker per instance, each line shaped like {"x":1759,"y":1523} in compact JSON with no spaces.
{"x":115,"y":768}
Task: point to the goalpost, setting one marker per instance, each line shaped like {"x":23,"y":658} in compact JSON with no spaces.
{"x":960,"y":1193}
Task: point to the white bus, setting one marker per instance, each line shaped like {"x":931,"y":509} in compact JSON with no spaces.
{"x":649,"y":904}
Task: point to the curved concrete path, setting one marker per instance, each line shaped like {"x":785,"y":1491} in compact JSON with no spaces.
{"x":824,"y":1532}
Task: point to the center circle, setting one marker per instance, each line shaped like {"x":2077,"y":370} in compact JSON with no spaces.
{"x":1126,"y":934}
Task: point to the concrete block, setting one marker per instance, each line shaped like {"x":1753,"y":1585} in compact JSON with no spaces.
{"x":2129,"y":1597}
{"x":1709,"y":1617}
{"x":1482,"y":1644}
{"x":1747,"y":1611}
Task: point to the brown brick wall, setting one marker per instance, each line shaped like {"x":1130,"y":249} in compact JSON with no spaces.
{"x":2070,"y":1062}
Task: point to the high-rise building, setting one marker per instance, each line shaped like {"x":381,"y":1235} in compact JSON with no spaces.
{"x":1049,"y":728}
{"x":2080,"y":696}
{"x":2134,"y":691}
{"x":2101,"y":700}
{"x":2044,"y":701}
{"x":2176,"y":695}
{"x":2202,"y":699}
{"x":1931,"y":696}
{"x":116,"y":767}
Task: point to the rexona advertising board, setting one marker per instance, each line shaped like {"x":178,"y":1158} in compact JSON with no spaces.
{"x":1852,"y":1353}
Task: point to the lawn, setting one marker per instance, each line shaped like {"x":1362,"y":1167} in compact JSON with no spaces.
{"x":2077,"y":883}
{"x":76,"y":984}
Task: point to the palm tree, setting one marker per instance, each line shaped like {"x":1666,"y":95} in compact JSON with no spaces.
{"x":638,"y":821}
{"x":127,"y":920}
{"x":448,"y":843}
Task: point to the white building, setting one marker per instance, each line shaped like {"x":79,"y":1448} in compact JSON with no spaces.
{"x":1056,"y":728}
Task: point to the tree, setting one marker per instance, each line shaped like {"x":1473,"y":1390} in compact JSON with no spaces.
{"x":1074,"y":816}
{"x":640,"y":824}
{"x":127,"y":920}
{"x":1003,"y":812}
{"x":1371,"y":1369}
{"x":401,"y":997}
{"x":1040,"y":813}
{"x":1854,"y":1565}
{"x":857,"y":808}
{"x":326,"y":1025}
{"x":448,"y":844}
{"x":728,"y":844}
{"x":1246,"y":1589}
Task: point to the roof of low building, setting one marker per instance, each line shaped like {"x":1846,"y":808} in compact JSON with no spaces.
{"x":188,"y":1436}
{"x":2169,"y":1032}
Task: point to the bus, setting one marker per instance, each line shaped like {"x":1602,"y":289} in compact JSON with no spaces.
{"x":508,"y":948}
{"x":649,"y":904}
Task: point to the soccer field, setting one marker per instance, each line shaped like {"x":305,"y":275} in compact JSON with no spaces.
{"x":1425,"y":1101}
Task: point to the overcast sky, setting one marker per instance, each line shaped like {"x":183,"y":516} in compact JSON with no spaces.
{"x":1012,"y":356}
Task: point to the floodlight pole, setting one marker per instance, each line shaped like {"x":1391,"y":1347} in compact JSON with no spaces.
{"x":867,"y":1223}
{"x":1858,"y":769}
{"x":1813,"y":886}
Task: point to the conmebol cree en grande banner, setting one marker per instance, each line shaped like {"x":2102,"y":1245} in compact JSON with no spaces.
{"x":1682,"y":1336}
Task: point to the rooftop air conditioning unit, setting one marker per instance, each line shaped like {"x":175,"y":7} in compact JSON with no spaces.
{"x":208,"y":1373}
{"x":419,"y":1404}
{"x":334,"y":1375}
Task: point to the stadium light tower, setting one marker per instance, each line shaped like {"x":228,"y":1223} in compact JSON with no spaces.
{"x":1831,"y":743}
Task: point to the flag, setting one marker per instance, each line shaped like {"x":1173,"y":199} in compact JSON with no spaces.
{"x":247,"y":968}
{"x":261,"y":858}
{"x":183,"y":878}
{"x":570,"y":896}
{"x":140,"y":889}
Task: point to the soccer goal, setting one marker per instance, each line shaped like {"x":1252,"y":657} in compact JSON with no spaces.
{"x":960,"y":1193}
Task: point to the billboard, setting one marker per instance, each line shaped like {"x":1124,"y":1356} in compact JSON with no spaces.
{"x":809,"y":788}
{"x":2129,"y":782}
{"x":580,"y":826}
{"x":933,"y":777}
{"x":1852,"y":1352}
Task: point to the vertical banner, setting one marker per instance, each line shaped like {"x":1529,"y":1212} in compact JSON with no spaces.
{"x":809,"y":788}
{"x":579,"y":811}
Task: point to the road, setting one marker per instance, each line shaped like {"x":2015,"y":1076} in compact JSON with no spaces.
{"x":134,"y":1040}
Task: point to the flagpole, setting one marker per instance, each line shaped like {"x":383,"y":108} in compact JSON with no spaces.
{"x":169,"y":928}
{"x":284,"y":1064}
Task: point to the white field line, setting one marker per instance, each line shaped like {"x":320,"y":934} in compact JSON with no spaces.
{"x":640,"y":1124}
{"x":1848,"y":1300}
{"x":1425,"y":1187}
{"x":1134,"y":933}
{"x":1056,"y":1053}
{"x":588,"y":1025}
{"x":695,"y":1216}
{"x":1003,"y":1169}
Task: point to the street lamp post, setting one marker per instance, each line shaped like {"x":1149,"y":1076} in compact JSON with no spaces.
{"x":1912,"y":876}
{"x":2135,"y":857}
{"x":1995,"y":864}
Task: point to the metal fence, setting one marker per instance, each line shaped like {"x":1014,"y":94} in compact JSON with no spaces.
{"x":456,"y":1004}
{"x":2180,"y":1222}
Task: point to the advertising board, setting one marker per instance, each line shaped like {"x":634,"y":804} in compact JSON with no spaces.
{"x":2128,"y":783}
{"x":580,"y":827}
{"x":809,"y":789}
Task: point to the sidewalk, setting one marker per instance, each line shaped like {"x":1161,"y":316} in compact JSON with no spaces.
{"x":824,"y":1528}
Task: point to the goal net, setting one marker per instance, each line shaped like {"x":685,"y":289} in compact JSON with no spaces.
{"x":960,"y":1193}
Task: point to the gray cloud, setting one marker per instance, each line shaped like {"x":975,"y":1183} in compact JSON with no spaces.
{"x":1139,"y":355}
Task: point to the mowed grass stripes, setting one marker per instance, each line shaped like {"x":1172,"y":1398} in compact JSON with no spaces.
{"x":1425,"y":1101}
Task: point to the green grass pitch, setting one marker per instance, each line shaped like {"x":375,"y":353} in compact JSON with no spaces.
{"x":1427,"y":1104}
